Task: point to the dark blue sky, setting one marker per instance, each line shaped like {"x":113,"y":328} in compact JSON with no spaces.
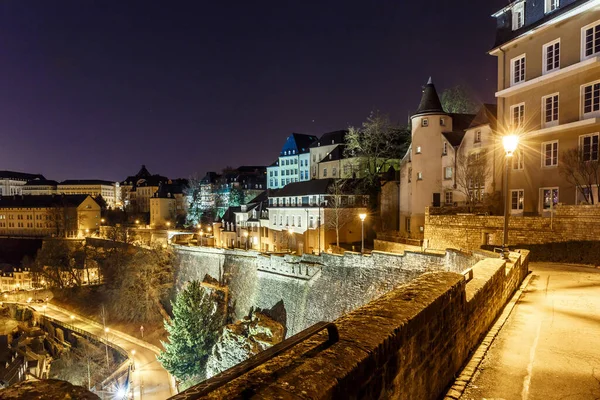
{"x":94,"y":89}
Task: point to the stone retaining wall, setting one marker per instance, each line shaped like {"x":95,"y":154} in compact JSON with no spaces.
{"x":569,"y":223}
{"x":407,"y":344}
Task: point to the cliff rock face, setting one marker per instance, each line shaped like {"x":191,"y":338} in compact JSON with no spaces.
{"x":47,"y":389}
{"x":243,"y":340}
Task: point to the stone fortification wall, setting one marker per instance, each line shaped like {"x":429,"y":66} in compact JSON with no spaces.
{"x":569,"y":223}
{"x":407,"y":344}
{"x":300,"y":291}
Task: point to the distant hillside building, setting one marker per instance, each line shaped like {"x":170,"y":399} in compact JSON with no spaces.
{"x":137,"y":190}
{"x":168,"y":205}
{"x":12,"y":182}
{"x":110,"y":191}
{"x":48,"y":215}
{"x":293,"y":164}
{"x":38,"y":187}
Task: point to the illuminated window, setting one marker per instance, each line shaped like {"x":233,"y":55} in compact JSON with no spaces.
{"x":518,"y":13}
{"x":517,"y":199}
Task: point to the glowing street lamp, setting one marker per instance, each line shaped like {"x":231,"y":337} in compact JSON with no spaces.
{"x":137,"y":221}
{"x":362,"y":232}
{"x":102,"y":220}
{"x":168,"y":224}
{"x":510,"y":143}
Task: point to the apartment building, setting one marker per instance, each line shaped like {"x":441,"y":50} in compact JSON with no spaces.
{"x":548,"y":56}
{"x":12,"y":182}
{"x":14,"y":278}
{"x":110,"y":191}
{"x":38,"y":187}
{"x":48,"y":215}
{"x":293,"y":164}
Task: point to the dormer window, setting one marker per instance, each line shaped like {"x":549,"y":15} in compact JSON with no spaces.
{"x":550,"y":5}
{"x":518,"y":14}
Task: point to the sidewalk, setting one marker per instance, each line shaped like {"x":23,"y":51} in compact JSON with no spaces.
{"x":549,"y":348}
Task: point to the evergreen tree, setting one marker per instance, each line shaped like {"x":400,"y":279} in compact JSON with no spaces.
{"x":193,"y":331}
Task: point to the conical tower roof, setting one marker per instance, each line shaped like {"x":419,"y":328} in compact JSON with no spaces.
{"x":430,"y":101}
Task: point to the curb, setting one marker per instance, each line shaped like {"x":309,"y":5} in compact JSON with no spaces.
{"x":119,"y":334}
{"x":466,"y":374}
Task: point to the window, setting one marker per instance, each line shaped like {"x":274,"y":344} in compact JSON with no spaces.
{"x":518,"y":161}
{"x":425,"y":122}
{"x":549,"y":198}
{"x":448,"y":173}
{"x":419,"y":176}
{"x":477,"y":137}
{"x":550,"y":110}
{"x":591,"y":100}
{"x":518,"y":14}
{"x":550,"y":154}
{"x":590,"y":38}
{"x":551,"y":56}
{"x":324,"y":172}
{"x":516,"y":199}
{"x":334,"y":171}
{"x":442,"y":122}
{"x":448,"y":198}
{"x":517,"y":115}
{"x":550,"y":5}
{"x":588,"y":147}
{"x":445,"y":148}
{"x":407,"y":224}
{"x":418,"y":149}
{"x":517,"y":73}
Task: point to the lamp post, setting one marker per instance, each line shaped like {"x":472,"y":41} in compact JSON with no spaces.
{"x":510,"y":143}
{"x":362,"y":232}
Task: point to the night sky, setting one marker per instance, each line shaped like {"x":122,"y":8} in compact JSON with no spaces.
{"x":94,"y":89}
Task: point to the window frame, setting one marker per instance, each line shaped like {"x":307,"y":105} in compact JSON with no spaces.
{"x":419,"y":176}
{"x":593,"y":113}
{"x":548,"y":5}
{"x":545,"y":48}
{"x":521,"y":123}
{"x":523,"y":59}
{"x":520,"y":196}
{"x":424,"y":122}
{"x":542,"y":198}
{"x":518,"y":160}
{"x":451,"y":193}
{"x":546,"y":124}
{"x":543,"y":153}
{"x":518,"y":8}
{"x":580,"y":146}
{"x":583,"y":41}
{"x":446,"y":177}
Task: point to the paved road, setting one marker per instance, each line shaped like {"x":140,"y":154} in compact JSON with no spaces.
{"x":150,"y":379}
{"x":549,"y":347}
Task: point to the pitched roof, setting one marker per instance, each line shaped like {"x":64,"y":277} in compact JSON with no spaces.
{"x":168,"y":190}
{"x":454,"y":138}
{"x":329,"y":138}
{"x":297,"y":143}
{"x":487,"y":115}
{"x":334,"y":155}
{"x":430,"y":101}
{"x":40,"y":182}
{"x":86,"y":182}
{"x":19,"y":175}
{"x":142,"y":174}
{"x":461,"y":122}
{"x":43,"y":201}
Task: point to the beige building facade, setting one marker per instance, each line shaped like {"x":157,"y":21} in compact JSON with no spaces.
{"x":110,"y":191}
{"x":549,"y":95}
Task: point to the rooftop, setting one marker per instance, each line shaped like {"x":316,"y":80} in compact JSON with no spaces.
{"x":430,"y":101}
{"x":43,"y":201}
{"x":20,"y":175}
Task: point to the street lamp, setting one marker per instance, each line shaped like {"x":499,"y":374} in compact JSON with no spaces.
{"x":246,"y":239}
{"x":168,"y":224}
{"x":362,"y":232}
{"x":510,"y":143}
{"x":102,"y":220}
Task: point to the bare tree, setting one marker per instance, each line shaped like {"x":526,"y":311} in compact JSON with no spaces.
{"x":339,"y":212}
{"x":471,"y":173}
{"x":582,"y":173}
{"x":458,"y":99}
{"x":374,"y":146}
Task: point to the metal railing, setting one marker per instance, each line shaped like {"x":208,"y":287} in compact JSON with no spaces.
{"x":259,"y":359}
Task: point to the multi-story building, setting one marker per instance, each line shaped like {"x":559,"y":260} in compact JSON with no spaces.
{"x":110,"y":191}
{"x":241,"y":225}
{"x":322,"y":150}
{"x":49,"y":215}
{"x":39,"y":186}
{"x":293,"y":164}
{"x":429,"y":166}
{"x":137,"y":190}
{"x":168,"y":205}
{"x":12,"y":278}
{"x":305,"y":216}
{"x":12,"y":182}
{"x":549,"y":94}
